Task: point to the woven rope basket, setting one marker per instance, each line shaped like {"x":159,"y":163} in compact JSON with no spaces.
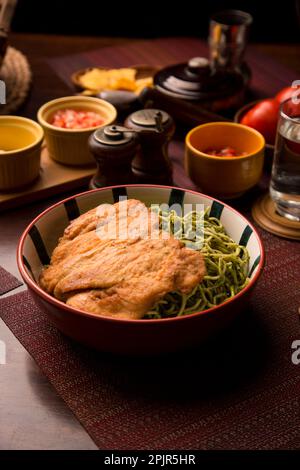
{"x":16,"y":74}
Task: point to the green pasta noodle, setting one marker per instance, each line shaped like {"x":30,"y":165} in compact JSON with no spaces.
{"x":226,"y":263}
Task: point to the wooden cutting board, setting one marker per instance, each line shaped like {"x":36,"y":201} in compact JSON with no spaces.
{"x":54,"y":179}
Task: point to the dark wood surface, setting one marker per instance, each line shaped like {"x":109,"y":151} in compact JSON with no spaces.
{"x":32,"y":415}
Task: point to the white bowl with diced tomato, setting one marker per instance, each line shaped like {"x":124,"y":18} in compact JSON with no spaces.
{"x":68,"y":122}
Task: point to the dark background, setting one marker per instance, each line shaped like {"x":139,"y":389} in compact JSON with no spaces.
{"x":276,"y":21}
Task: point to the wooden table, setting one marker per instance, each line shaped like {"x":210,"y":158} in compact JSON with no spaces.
{"x":32,"y":415}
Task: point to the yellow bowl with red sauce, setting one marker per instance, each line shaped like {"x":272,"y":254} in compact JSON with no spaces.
{"x":68,"y":122}
{"x":231,"y":174}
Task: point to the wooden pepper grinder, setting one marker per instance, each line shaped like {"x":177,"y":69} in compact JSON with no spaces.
{"x":114,"y":148}
{"x":155,"y":129}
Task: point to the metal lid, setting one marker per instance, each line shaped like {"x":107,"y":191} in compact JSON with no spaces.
{"x":113,"y":135}
{"x":149,"y":118}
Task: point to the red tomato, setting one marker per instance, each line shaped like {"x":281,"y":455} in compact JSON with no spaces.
{"x":263,"y":117}
{"x":74,"y":119}
{"x":287,"y":93}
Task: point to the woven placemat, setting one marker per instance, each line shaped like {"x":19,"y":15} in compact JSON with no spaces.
{"x":239,"y":391}
{"x":8,"y":282}
{"x":16,"y":74}
{"x":268,"y":77}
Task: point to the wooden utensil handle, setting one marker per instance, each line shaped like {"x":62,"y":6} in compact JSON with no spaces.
{"x":184,"y":111}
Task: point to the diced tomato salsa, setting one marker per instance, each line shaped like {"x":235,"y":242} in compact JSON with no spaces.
{"x":76,"y":119}
{"x":224,"y":152}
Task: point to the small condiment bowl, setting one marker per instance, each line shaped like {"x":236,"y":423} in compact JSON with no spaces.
{"x":69,"y":146}
{"x":224,"y":177}
{"x":20,"y":151}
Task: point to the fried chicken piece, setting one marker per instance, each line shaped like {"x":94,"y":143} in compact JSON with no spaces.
{"x":114,"y":261}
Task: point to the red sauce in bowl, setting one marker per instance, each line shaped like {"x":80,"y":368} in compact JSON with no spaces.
{"x":76,"y":119}
{"x":224,"y":152}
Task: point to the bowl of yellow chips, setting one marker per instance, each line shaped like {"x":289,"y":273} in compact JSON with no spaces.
{"x":94,"y":80}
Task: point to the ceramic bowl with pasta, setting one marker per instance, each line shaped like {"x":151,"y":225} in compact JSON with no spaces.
{"x":180,"y":296}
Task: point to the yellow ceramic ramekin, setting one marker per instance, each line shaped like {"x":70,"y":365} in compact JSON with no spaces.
{"x":20,"y":151}
{"x":225,"y":177}
{"x":69,"y":146}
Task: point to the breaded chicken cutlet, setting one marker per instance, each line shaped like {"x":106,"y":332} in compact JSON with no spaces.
{"x":115,"y":261}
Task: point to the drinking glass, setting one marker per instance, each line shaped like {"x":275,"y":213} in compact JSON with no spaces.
{"x":228,"y":35}
{"x":285,"y":180}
